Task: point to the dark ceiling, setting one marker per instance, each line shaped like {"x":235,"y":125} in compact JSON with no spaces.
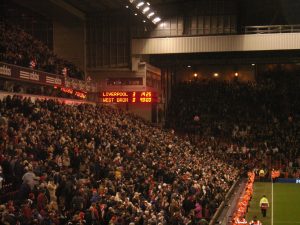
{"x":251,"y":12}
{"x":88,"y":6}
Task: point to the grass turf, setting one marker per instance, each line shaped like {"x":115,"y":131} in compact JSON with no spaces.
{"x":286,"y":203}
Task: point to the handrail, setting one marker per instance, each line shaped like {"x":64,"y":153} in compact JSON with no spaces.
{"x":11,"y":71}
{"x":222,"y":205}
{"x":33,"y":97}
{"x":268,"y":29}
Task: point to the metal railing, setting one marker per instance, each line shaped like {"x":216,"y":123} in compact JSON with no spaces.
{"x":225,"y":202}
{"x":272,"y":29}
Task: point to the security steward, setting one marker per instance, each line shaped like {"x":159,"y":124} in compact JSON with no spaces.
{"x":264,"y":205}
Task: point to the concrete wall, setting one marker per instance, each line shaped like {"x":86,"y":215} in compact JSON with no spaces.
{"x":69,"y":41}
{"x":223,"y":43}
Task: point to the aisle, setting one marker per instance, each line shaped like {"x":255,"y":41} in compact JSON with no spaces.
{"x":260,"y":189}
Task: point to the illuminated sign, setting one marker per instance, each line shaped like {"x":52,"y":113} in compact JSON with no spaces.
{"x":70,"y":91}
{"x":128,"y":97}
{"x":288,"y":180}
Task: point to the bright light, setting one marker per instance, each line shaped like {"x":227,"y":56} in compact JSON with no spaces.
{"x":236,"y":74}
{"x":156,"y":20}
{"x":216,"y":74}
{"x":195,"y":75}
{"x":144,"y":21}
{"x":189,"y":66}
{"x":162,"y":24}
{"x":150,"y":14}
{"x":252,"y":64}
{"x":146,"y":9}
{"x":139,"y":5}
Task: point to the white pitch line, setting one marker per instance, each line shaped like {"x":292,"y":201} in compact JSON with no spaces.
{"x":272,"y":204}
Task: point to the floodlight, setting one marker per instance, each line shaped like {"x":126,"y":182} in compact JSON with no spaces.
{"x":150,"y":14}
{"x":146,"y":9}
{"x":156,"y":20}
{"x":139,"y":5}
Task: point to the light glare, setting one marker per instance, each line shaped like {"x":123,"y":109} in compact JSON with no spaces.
{"x":139,"y":5}
{"x":156,"y":20}
{"x":150,"y":14}
{"x":146,"y":9}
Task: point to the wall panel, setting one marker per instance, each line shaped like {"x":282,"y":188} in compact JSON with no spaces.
{"x":108,"y":41}
{"x":68,"y":42}
{"x":226,"y":43}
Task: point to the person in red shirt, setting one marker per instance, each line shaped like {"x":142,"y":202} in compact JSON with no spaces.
{"x":255,"y":221}
{"x":42,"y":200}
{"x":241,"y":220}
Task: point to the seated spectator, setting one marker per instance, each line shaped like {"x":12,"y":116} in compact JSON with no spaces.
{"x":20,"y":48}
{"x":101,"y":165}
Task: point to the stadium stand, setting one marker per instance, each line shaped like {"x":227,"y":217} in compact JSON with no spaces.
{"x":76,"y":162}
{"x":259,"y":119}
{"x":118,"y":171}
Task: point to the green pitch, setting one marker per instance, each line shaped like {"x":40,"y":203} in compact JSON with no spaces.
{"x":286,"y":205}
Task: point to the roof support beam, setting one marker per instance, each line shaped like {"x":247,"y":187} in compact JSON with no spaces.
{"x":69,"y":8}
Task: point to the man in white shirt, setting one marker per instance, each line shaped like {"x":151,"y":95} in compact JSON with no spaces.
{"x":30,"y":178}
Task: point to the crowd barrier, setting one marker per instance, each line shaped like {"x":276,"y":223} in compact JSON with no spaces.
{"x":14,"y":72}
{"x":34,"y":97}
{"x":223,"y":204}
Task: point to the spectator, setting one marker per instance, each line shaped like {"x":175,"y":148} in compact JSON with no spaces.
{"x":20,"y":48}
{"x":104,"y":165}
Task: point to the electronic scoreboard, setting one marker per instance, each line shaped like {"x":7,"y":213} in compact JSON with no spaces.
{"x":128,"y":97}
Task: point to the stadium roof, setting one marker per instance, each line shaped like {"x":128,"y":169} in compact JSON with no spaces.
{"x":102,"y":5}
{"x":94,"y":5}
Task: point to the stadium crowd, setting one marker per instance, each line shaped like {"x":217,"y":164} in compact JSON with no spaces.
{"x":90,"y":164}
{"x":20,"y":48}
{"x":258,"y":119}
